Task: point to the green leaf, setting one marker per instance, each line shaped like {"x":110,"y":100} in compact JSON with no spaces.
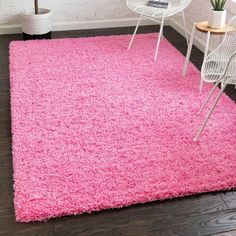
{"x":217,"y":5}
{"x":213,"y":4}
{"x":223,"y":5}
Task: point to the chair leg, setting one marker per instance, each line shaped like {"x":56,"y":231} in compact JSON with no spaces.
{"x":209,"y":114}
{"x":222,"y":85}
{"x":185,"y":27}
{"x":208,"y":97}
{"x":135,"y":31}
{"x":162,"y":36}
{"x":159,"y":38}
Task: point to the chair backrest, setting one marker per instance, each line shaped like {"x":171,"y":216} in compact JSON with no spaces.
{"x":216,"y":63}
{"x":228,"y":44}
{"x":182,"y":3}
{"x":185,"y":3}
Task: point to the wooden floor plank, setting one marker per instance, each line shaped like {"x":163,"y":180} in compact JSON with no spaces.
{"x":229,"y":198}
{"x":8,"y":226}
{"x":148,"y":223}
{"x":229,"y":233}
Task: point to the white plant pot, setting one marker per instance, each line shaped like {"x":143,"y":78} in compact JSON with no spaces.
{"x":39,"y":24}
{"x":217,"y":19}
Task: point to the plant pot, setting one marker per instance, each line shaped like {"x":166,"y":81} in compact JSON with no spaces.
{"x":37,"y":26}
{"x":217,"y":19}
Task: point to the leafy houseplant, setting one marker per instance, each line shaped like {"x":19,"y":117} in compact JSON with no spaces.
{"x":37,"y":24}
{"x":217,"y":15}
{"x":218,"y":5}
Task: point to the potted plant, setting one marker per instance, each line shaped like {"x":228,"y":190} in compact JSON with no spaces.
{"x":217,"y":15}
{"x":37,"y":24}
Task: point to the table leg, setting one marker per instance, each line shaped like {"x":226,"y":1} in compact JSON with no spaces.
{"x":189,"y":51}
{"x":205,"y":55}
{"x":221,"y":41}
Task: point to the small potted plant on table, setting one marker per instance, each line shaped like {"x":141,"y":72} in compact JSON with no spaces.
{"x":217,"y":15}
{"x":37,"y":24}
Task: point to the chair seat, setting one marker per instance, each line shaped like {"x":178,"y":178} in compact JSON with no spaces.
{"x":214,"y":77}
{"x":231,"y":80}
{"x":215,"y":69}
{"x":141,"y":8}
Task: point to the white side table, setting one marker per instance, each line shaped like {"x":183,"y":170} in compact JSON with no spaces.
{"x":204,"y":28}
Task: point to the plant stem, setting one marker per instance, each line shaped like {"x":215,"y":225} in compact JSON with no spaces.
{"x":36,"y":7}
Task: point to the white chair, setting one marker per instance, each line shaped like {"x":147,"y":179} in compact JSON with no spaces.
{"x":158,"y":15}
{"x":219,"y":67}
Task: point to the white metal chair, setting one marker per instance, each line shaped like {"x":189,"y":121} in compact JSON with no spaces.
{"x":219,"y":67}
{"x":158,"y":15}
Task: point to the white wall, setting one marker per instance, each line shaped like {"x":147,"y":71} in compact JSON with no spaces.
{"x":66,"y":10}
{"x":82,"y":14}
{"x":69,"y":13}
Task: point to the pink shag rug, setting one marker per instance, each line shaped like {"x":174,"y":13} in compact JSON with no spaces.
{"x":96,"y":126}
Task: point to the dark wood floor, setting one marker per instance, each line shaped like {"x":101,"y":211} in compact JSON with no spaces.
{"x":204,"y":214}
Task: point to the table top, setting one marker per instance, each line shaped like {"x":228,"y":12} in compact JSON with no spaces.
{"x":203,"y":27}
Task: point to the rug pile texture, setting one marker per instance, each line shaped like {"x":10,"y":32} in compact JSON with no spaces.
{"x":96,"y":126}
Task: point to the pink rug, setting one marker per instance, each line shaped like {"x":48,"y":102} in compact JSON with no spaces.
{"x":96,"y":126}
